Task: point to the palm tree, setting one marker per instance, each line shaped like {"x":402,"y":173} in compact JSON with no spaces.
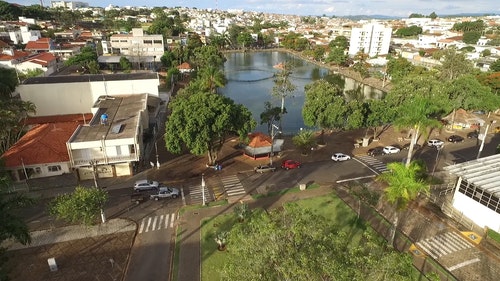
{"x":212,"y":78}
{"x":305,"y":140}
{"x":404,"y":184}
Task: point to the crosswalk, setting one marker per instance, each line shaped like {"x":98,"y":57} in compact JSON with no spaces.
{"x":154,"y":223}
{"x":233,"y":186}
{"x":196,"y":194}
{"x":377,"y":165}
{"x":444,"y":244}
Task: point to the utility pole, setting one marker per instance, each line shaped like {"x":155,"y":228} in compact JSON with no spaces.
{"x":203,"y":189}
{"x":272,"y":142}
{"x":484,"y":138}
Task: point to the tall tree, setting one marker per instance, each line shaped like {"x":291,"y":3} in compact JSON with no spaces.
{"x":324,"y":105}
{"x":404,"y":184}
{"x":283,"y":86}
{"x":398,"y":68}
{"x":201,"y":122}
{"x":84,"y":205}
{"x":418,"y":102}
{"x":84,"y":58}
{"x":212,"y":78}
{"x":270,"y":115}
{"x":454,"y":64}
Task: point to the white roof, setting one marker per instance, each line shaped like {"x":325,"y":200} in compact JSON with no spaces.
{"x":483,"y":173}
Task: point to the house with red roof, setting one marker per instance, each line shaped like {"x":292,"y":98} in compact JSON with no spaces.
{"x":45,"y":61}
{"x":41,"y":152}
{"x":184,"y":67}
{"x":40,"y":45}
{"x":260,"y":146}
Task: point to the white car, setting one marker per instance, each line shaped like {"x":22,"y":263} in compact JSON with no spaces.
{"x":435,"y":142}
{"x":141,"y":185}
{"x":390,"y":150}
{"x":340,"y":157}
{"x":165,"y":192}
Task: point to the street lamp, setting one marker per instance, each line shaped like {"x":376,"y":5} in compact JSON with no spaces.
{"x":203,"y":188}
{"x":156,"y":149}
{"x":273,"y":134}
{"x":439,"y":148}
{"x":94,"y":171}
{"x":484,"y":138}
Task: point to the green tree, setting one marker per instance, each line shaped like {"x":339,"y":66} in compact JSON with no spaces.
{"x":492,"y":80}
{"x":283,"y":86}
{"x":398,"y":68}
{"x":378,"y":116}
{"x":125,"y":64}
{"x":404,"y":184}
{"x":9,"y":11}
{"x":84,"y":58}
{"x":433,"y":16}
{"x":201,"y":122}
{"x":340,"y":42}
{"x":84,"y":205}
{"x":471,"y":37}
{"x":305,"y":141}
{"x":324,"y":106}
{"x":8,"y":82}
{"x":295,"y":243}
{"x":212,"y":78}
{"x":454,"y":64}
{"x":418,"y":102}
{"x":495,"y":66}
{"x":245,"y":39}
{"x":270,"y":115}
{"x":337,"y":56}
{"x":208,"y":56}
{"x":12,"y":226}
{"x":361,"y":65}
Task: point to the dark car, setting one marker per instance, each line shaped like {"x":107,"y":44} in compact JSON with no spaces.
{"x":473,"y":135}
{"x":455,"y":138}
{"x":375,"y":151}
{"x":415,"y":146}
{"x":290,"y":164}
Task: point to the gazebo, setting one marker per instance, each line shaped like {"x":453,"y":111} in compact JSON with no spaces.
{"x":260,"y":146}
{"x":461,"y":119}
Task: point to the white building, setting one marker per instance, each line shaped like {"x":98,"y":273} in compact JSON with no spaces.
{"x":76,"y":94}
{"x":24,"y":35}
{"x":372,"y":39}
{"x":113,"y":140}
{"x":137,"y":44}
{"x":71,"y":5}
{"x":477,"y":191}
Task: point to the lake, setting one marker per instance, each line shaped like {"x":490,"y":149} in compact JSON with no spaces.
{"x":250,"y":82}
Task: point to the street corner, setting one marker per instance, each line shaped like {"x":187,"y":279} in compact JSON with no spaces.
{"x":472,"y":237}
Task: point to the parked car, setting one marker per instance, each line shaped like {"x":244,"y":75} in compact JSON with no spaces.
{"x":415,"y":146}
{"x":391,"y":149}
{"x":165,"y":192}
{"x":375,"y":151}
{"x":337,"y":157}
{"x":435,"y":143}
{"x":473,"y":135}
{"x":290,"y":164}
{"x":141,"y":185}
{"x":455,"y":138}
{"x":264,"y":169}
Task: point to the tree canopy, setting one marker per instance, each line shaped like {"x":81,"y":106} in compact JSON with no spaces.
{"x":324,"y":105}
{"x":201,"y":122}
{"x":294,"y":243}
{"x":84,"y":205}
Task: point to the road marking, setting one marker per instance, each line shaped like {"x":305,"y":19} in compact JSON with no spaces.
{"x":154,"y":223}
{"x":161,"y":220}
{"x":166,"y":221}
{"x":142,"y":226}
{"x":358,"y":178}
{"x":172,"y":217}
{"x":377,"y":173}
{"x":149,"y":223}
{"x":462,"y":264}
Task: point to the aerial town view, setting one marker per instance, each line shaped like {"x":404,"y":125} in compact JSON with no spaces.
{"x":249,"y":140}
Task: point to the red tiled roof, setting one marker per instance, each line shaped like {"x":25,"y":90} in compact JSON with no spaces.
{"x":184,"y":65}
{"x":45,"y":143}
{"x":78,"y":118}
{"x":17,"y":55}
{"x":43,"y":59}
{"x":40,"y":44}
{"x":259,"y":140}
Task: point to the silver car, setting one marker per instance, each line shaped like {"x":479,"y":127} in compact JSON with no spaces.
{"x":264,"y":169}
{"x":141,"y":185}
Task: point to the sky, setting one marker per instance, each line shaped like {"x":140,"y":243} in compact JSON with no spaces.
{"x":398,"y":8}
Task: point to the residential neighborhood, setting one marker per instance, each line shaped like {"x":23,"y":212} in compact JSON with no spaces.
{"x":94,"y":100}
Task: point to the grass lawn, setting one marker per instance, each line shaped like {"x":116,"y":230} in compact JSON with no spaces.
{"x":329,"y":206}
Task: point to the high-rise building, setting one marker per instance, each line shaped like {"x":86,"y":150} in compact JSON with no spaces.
{"x":372,"y":39}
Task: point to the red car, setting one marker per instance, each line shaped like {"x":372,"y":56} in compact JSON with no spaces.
{"x":290,"y":164}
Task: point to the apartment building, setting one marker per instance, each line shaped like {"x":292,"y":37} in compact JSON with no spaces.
{"x":372,"y":39}
{"x":70,"y":5}
{"x":137,"y":44}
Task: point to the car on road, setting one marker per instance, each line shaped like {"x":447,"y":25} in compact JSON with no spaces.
{"x":290,"y":164}
{"x":473,"y":135}
{"x":165,"y":192}
{"x":390,"y":149}
{"x":455,"y":138}
{"x":375,"y":151}
{"x":435,"y":143}
{"x":142,"y":185}
{"x":337,"y":157}
{"x":264,"y":169}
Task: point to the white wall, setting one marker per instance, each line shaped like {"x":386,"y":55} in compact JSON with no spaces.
{"x":480,"y":214}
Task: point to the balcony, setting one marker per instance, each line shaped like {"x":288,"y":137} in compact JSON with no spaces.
{"x":108,"y":160}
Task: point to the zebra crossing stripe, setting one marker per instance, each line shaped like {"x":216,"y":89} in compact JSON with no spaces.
{"x":166,"y":221}
{"x":160,"y":222}
{"x":172,"y":217}
{"x":149,"y":223}
{"x":157,"y":223}
{"x":142,"y":226}
{"x":154,"y":223}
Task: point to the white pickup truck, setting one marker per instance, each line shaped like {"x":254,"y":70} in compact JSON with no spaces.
{"x":165,"y":192}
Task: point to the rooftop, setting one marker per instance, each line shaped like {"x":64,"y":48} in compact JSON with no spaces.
{"x":483,"y":172}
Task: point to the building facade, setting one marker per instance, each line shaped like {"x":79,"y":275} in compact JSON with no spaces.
{"x":137,"y":44}
{"x":372,"y":39}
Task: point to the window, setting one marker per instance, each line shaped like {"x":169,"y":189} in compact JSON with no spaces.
{"x":56,"y":168}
